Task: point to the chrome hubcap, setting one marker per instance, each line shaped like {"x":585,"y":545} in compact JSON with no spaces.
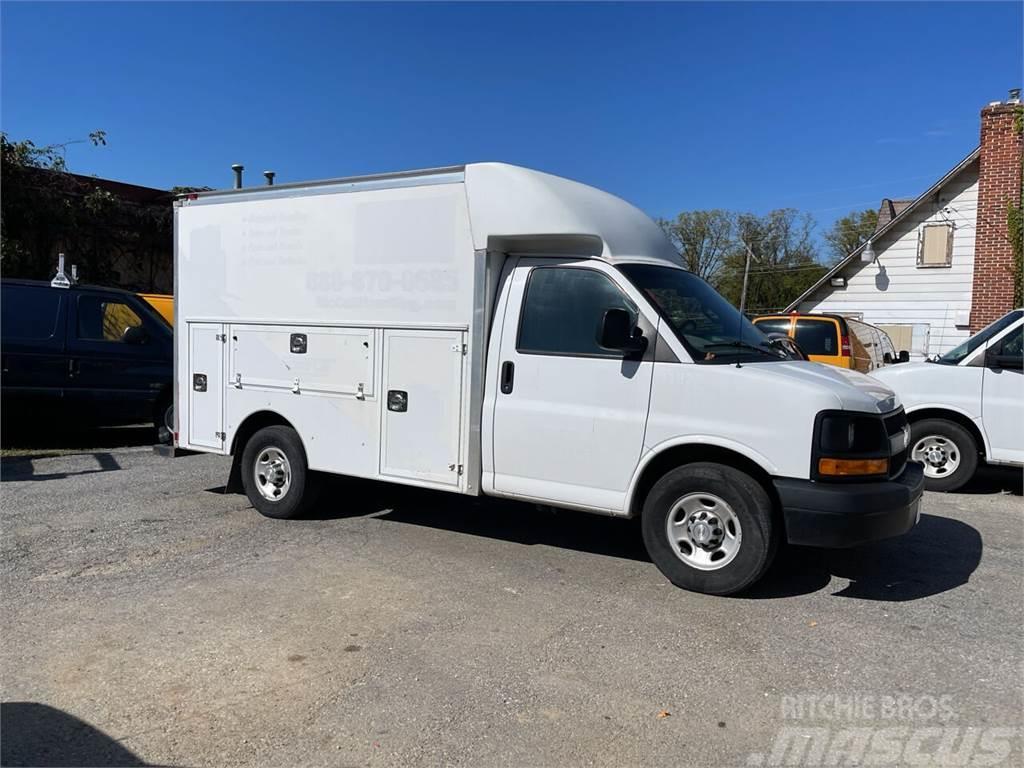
{"x":940,"y":455}
{"x":273,"y":473}
{"x":704,"y":531}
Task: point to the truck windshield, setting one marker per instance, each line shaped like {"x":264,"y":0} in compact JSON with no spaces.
{"x":710,"y":327}
{"x":959,"y":353}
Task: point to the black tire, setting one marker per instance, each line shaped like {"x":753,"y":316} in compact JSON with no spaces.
{"x":163,"y":420}
{"x":299,"y":494}
{"x":958,"y":440}
{"x":753,"y":509}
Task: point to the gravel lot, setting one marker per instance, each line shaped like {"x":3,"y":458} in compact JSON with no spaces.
{"x":148,"y":618}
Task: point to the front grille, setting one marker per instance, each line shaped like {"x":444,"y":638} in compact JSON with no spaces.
{"x":895,"y":427}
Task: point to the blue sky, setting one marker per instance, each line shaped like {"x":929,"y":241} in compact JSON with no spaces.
{"x":825,"y":107}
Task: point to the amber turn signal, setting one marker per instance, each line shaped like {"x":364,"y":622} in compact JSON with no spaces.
{"x":846,"y":467}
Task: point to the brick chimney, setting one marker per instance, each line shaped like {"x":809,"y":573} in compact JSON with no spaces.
{"x":999,"y":185}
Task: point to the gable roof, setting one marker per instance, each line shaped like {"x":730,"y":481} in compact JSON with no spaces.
{"x":897,"y":216}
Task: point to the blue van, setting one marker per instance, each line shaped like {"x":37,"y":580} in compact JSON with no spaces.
{"x":96,"y":356}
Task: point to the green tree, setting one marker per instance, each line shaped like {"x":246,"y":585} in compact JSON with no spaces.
{"x":786,"y":260}
{"x":46,"y":209}
{"x":850,"y":232}
{"x":703,"y":238}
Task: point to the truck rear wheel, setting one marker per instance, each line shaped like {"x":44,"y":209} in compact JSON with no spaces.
{"x":709,"y":528}
{"x":274,"y":472}
{"x":947,"y":450}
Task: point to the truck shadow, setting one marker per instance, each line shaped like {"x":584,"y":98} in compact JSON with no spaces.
{"x":940,"y":554}
{"x":993,"y":479}
{"x":40,"y":735}
{"x":511,"y":521}
{"x":23,"y":467}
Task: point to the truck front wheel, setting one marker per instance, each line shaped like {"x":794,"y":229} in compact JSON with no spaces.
{"x":274,"y":473}
{"x":709,"y":528}
{"x":947,"y":450}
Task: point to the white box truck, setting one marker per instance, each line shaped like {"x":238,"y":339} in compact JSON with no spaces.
{"x":488,"y":329}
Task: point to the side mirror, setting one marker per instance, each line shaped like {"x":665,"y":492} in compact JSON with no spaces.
{"x":904,"y":356}
{"x":617,"y":332}
{"x":887,"y":358}
{"x":134,"y":334}
{"x":995,"y":360}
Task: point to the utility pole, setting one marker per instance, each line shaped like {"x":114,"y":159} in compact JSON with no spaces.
{"x":746,"y":276}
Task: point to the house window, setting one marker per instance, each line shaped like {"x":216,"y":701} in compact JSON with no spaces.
{"x":935,"y":245}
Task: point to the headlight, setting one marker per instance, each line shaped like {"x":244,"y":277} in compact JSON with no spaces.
{"x":849,"y":433}
{"x":849,"y":445}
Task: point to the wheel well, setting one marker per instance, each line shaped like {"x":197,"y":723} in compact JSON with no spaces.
{"x":956,"y":418}
{"x":672,"y":458}
{"x":253,"y":423}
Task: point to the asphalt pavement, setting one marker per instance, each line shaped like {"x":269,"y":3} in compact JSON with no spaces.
{"x":150,"y":618}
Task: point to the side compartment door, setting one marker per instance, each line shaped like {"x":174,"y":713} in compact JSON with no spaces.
{"x":421,"y":421}
{"x":206,"y":347}
{"x":569,"y":415}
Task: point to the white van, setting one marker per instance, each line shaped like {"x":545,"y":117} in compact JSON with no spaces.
{"x":966,"y":405}
{"x":489,"y":329}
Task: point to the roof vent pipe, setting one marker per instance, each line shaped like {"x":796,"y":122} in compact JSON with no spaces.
{"x":269,"y":175}
{"x":238,"y":168}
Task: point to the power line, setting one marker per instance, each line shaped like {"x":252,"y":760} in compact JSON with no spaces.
{"x":949,"y":212}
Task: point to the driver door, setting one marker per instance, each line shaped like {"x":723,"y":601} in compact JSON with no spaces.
{"x":569,"y":415}
{"x":1002,"y":400}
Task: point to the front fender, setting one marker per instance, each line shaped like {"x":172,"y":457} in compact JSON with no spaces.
{"x":935,"y":410}
{"x":654,"y":452}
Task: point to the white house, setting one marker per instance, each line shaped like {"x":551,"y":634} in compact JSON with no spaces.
{"x":937,"y":267}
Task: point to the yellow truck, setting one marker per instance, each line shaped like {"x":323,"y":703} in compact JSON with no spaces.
{"x":162,"y":303}
{"x":835,"y":340}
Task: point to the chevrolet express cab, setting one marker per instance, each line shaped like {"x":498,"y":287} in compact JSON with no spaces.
{"x":492,"y":330}
{"x":966,"y":406}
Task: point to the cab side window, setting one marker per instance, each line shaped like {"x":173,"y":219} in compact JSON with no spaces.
{"x":1013,"y":344}
{"x":563,"y":310}
{"x":105,"y":319}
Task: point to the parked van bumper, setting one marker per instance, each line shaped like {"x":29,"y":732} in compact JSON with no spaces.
{"x":848,"y":514}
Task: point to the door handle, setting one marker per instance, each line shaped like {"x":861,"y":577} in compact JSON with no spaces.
{"x":73,"y":368}
{"x":508,"y":375}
